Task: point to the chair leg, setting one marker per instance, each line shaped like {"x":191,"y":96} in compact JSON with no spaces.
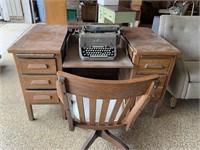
{"x":92,"y":137}
{"x":173,"y":101}
{"x":114,"y":140}
{"x":64,"y":116}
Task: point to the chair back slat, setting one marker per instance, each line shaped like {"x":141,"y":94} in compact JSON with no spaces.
{"x":115,"y":110}
{"x":104,"y":109}
{"x":81,"y":111}
{"x":128,"y":105}
{"x":100,"y":102}
{"x":92,"y":111}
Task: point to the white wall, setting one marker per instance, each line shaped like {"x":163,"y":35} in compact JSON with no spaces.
{"x":27,"y":11}
{"x":5,"y":13}
{"x":1,"y":14}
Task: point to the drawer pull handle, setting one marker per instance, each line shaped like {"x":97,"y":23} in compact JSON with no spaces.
{"x":37,"y":66}
{"x":40,"y":82}
{"x":42,"y":97}
{"x":153,"y":66}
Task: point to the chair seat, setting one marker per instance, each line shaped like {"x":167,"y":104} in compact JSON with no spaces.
{"x":75,"y":111}
{"x":193,"y":68}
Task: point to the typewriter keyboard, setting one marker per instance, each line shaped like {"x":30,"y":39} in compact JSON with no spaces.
{"x":98,"y":52}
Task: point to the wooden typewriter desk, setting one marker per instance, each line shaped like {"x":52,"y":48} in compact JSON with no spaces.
{"x":42,"y":51}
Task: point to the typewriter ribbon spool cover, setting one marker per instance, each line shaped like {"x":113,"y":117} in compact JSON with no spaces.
{"x":98,"y":42}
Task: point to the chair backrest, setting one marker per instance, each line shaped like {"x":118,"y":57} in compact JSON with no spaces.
{"x":183,"y":32}
{"x":103,"y":104}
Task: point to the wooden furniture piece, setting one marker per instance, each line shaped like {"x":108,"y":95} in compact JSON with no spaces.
{"x":101,"y":105}
{"x":151,"y":54}
{"x":89,"y":12}
{"x":56,"y":11}
{"x":185,"y":79}
{"x":38,"y":57}
{"x":115,"y":14}
{"x":136,"y":6}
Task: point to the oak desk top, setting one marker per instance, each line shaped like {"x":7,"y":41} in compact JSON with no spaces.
{"x":41,"y":39}
{"x":144,"y":40}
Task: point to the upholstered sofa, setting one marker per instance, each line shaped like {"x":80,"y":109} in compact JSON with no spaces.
{"x":184,"y":33}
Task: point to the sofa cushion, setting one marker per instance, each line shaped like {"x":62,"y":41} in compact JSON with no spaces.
{"x":184,"y":33}
{"x":193,"y":91}
{"x":193,"y":68}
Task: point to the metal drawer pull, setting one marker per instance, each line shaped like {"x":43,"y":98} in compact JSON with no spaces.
{"x":40,"y":82}
{"x":153,"y":66}
{"x":37,"y":66}
{"x":42,"y":97}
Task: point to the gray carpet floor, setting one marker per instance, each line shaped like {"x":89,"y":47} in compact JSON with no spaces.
{"x":174,"y":129}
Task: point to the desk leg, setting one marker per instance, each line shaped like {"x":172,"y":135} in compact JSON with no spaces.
{"x":29,"y":111}
{"x":157,"y":107}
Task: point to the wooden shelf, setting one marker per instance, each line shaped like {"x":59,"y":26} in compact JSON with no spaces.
{"x":72,"y":60}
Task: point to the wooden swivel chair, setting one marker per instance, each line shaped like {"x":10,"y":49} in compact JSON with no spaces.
{"x":103,"y":104}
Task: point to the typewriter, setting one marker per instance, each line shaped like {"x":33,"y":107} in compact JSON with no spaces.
{"x":98,"y":42}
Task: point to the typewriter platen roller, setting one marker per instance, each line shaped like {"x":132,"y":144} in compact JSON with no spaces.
{"x":98,"y":42}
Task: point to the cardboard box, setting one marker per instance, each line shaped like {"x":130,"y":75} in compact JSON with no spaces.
{"x":108,"y":2}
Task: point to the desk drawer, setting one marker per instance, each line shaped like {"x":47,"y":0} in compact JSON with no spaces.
{"x":38,"y":66}
{"x":159,"y":90}
{"x":100,"y":17}
{"x":125,"y":17}
{"x":153,"y":65}
{"x":108,"y":14}
{"x":42,"y":97}
{"x":157,"y":93}
{"x":39,"y":81}
{"x":161,"y":80}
